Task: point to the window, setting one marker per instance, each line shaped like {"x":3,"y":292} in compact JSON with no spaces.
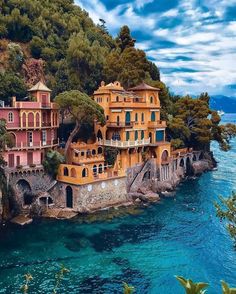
{"x":66,"y":172}
{"x":44,"y":137}
{"x":127,"y":136}
{"x":30,"y":138}
{"x":151,"y":99}
{"x":84,"y":172}
{"x":10,"y":117}
{"x":153,"y":116}
{"x":100,"y":168}
{"x":136,"y":135}
{"x":107,"y":117}
{"x":116,"y":136}
{"x":136,"y":117}
{"x":142,"y":117}
{"x":117,"y":98}
{"x":82,"y":153}
{"x":142,"y":135}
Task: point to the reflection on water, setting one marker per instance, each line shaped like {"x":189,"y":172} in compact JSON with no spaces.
{"x":145,"y":248}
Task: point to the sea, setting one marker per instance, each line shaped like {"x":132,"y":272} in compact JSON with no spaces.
{"x":144,"y":247}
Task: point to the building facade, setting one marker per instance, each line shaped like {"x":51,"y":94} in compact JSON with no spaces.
{"x":33,"y":128}
{"x":133,"y":128}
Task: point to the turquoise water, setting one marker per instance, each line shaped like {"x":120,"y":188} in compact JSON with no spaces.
{"x":180,"y":235}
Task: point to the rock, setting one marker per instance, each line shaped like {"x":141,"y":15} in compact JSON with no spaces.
{"x":201,"y":166}
{"x":22,"y":220}
{"x":150,"y":197}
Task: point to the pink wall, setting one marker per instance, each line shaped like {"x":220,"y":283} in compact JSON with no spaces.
{"x":23,"y":157}
{"x":4,"y":112}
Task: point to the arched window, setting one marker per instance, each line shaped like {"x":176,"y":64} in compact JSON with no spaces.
{"x":151,"y":99}
{"x":73,"y":173}
{"x":153,"y":116}
{"x":100,"y":168}
{"x":10,"y":117}
{"x":142,"y":135}
{"x":88,"y":153}
{"x":127,"y":136}
{"x":99,"y":135}
{"x":84,"y":173}
{"x":100,"y":150}
{"x":136,"y":135}
{"x":136,"y":117}
{"x":12,"y":142}
{"x":66,"y":172}
{"x":117,"y":98}
{"x":37,"y":120}
{"x":82,"y":153}
{"x":31,"y":119}
{"x":142,"y":117}
{"x":95,"y":169}
{"x":164,"y":155}
{"x":93,"y":152}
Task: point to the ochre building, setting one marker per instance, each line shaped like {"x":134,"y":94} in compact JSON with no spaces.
{"x":133,"y":127}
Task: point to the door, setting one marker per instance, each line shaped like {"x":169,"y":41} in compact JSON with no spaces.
{"x":30,"y":158}
{"x":44,"y":137}
{"x":127,"y":118}
{"x":11,"y":160}
{"x":69,"y":197}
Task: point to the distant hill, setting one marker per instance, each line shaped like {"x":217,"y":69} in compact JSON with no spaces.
{"x":220,"y":102}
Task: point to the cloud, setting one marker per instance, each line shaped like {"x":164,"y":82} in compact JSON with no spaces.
{"x":192,"y":42}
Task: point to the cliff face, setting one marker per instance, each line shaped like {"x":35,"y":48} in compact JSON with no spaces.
{"x":1,"y":206}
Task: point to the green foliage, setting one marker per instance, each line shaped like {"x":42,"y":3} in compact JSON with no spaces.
{"x":128,"y":289}
{"x":226,"y":289}
{"x":226,"y":209}
{"x":82,"y":110}
{"x":124,"y":39}
{"x":16,"y":56}
{"x":191,"y":287}
{"x":11,"y":85}
{"x":52,"y":161}
{"x":110,"y":155}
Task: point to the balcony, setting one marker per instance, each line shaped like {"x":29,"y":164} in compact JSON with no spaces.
{"x":87,"y":159}
{"x":33,"y":145}
{"x":157,"y":124}
{"x":120,"y":124}
{"x":124,"y":144}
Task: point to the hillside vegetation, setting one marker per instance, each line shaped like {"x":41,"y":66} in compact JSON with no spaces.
{"x":56,"y":41}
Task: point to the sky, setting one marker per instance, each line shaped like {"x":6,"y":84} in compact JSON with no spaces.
{"x":193,"y":42}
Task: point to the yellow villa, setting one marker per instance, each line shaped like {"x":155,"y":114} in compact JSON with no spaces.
{"x":133,"y":126}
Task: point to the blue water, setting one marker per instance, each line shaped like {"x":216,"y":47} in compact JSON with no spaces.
{"x":146,"y":248}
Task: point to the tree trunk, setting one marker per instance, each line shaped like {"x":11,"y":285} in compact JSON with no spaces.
{"x":69,"y":141}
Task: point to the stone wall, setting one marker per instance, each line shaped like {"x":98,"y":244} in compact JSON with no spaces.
{"x":91,"y":197}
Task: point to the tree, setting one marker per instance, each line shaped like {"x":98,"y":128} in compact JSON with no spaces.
{"x":11,"y":85}
{"x":52,"y":161}
{"x":124,"y":39}
{"x":226,"y":210}
{"x":81,"y":109}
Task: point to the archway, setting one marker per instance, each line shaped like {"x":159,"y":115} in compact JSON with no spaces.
{"x":84,"y":172}
{"x":24,"y":187}
{"x":189,"y":168}
{"x":99,"y":135}
{"x":164,"y":156}
{"x":127,"y":118}
{"x":44,"y":201}
{"x":69,"y":197}
{"x":12,"y":142}
{"x":181,"y":162}
{"x":66,"y":171}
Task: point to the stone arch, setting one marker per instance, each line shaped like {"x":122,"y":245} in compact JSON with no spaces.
{"x":189,"y":168}
{"x":24,"y":187}
{"x":164,"y":155}
{"x":84,"y":173}
{"x":73,"y":173}
{"x":65,"y":171}
{"x":69,"y":197}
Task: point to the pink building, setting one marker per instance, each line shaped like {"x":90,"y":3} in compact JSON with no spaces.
{"x":33,"y":126}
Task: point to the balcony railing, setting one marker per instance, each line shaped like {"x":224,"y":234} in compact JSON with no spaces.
{"x":157,"y":124}
{"x":120,"y":124}
{"x":33,"y":145}
{"x":124,"y":144}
